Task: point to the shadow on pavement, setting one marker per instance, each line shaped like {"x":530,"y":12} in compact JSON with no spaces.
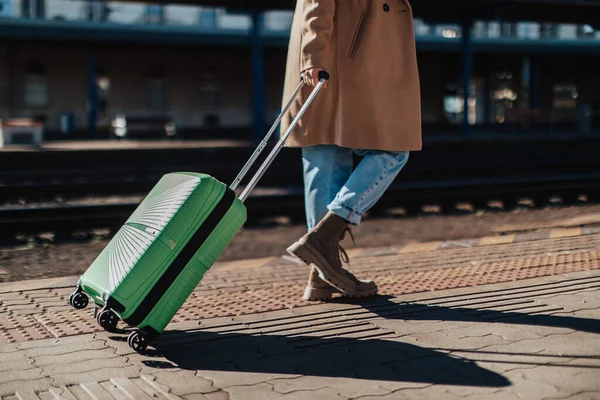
{"x":382,"y":359}
{"x":385,"y":308}
{"x":341,"y":357}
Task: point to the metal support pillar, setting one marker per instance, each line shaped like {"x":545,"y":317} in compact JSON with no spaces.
{"x":467,"y":67}
{"x":93,"y":94}
{"x":258,"y":76}
{"x":534,"y":83}
{"x":11,"y":57}
{"x":487,"y":98}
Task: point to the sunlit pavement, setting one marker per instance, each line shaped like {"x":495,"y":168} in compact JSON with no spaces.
{"x":504,"y":317}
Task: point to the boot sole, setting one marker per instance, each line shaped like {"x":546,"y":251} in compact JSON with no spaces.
{"x":310,"y":256}
{"x":313,"y":294}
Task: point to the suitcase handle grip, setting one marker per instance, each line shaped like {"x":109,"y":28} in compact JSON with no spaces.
{"x":323,"y":76}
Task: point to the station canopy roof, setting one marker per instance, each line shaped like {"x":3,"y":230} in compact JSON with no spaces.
{"x":453,"y":11}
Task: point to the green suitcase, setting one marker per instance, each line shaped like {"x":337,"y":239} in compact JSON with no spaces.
{"x":154,"y":262}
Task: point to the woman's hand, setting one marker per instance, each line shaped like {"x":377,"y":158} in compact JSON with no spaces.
{"x":311,"y":77}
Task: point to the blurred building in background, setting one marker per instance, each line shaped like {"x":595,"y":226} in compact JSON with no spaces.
{"x":78,"y":65}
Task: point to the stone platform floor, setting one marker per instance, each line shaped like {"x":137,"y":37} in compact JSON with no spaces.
{"x":506,"y":317}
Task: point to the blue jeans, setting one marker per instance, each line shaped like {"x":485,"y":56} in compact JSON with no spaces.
{"x":330,"y":184}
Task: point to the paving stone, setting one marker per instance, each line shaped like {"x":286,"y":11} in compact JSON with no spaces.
{"x":84,"y":391}
{"x":577,"y":343}
{"x":142,"y":388}
{"x":220,"y":395}
{"x":346,"y":387}
{"x":454,"y":392}
{"x":28,"y":309}
{"x":21,"y":375}
{"x":508,"y":332}
{"x":15,"y":361}
{"x":18,"y":301}
{"x":502,"y":363}
{"x":591,"y":362}
{"x":411,"y":394}
{"x":226,"y":379}
{"x":542,"y":330}
{"x":63,"y":348}
{"x":184,"y":382}
{"x":198,"y":357}
{"x":14,"y":386}
{"x":526,"y":388}
{"x":373,"y":353}
{"x":445,"y":341}
{"x":281,"y":317}
{"x":585,"y":396}
{"x":116,"y":342}
{"x":265,"y":392}
{"x":199,"y":396}
{"x":81,"y":357}
{"x":102,"y":371}
{"x":57,"y":342}
{"x":590,"y":315}
{"x":563,"y":380}
{"x":447,"y":369}
{"x":151,"y":366}
{"x":24,"y":334}
{"x":582,"y":300}
{"x":407,"y":328}
{"x":9,"y":348}
{"x":11,"y":321}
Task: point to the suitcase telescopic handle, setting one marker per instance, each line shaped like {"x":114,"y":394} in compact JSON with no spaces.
{"x":323,"y":76}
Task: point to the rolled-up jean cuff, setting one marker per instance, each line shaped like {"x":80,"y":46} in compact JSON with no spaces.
{"x":344,"y":212}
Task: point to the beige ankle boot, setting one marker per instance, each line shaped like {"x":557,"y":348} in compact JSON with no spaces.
{"x":319,"y":290}
{"x":321,"y":248}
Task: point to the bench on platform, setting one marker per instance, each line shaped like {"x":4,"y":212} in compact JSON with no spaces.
{"x":21,"y":131}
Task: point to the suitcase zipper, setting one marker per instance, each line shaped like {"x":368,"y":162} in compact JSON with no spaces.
{"x":357,"y":34}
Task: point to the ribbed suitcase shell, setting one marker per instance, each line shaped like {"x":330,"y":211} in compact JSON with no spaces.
{"x":153,"y":263}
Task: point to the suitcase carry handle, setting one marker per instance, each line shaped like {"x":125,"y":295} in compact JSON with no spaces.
{"x":323,"y":76}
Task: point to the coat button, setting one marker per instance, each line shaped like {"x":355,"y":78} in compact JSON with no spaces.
{"x":386,"y":8}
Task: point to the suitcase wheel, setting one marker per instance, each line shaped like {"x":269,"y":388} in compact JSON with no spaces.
{"x":138,"y":340}
{"x":78,"y":300}
{"x":107,"y":319}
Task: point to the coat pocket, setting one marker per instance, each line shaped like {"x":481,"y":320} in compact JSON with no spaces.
{"x":358,"y":31}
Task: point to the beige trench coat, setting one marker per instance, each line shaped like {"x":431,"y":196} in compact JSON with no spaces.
{"x":373,"y":97}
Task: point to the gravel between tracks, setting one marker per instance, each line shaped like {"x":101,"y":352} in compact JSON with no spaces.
{"x":50,"y":259}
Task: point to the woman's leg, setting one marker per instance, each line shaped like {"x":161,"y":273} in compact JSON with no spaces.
{"x":376,"y":171}
{"x":372,"y":177}
{"x":326,"y":168}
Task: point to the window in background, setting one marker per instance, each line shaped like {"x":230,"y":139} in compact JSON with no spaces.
{"x":5,"y":8}
{"x":549,"y":31}
{"x":208,"y":18}
{"x":509,"y":30}
{"x":209,"y":90}
{"x":586,"y":31}
{"x":155,"y":14}
{"x":156,"y":75}
{"x":454,"y":105}
{"x":503,"y":95}
{"x":36,"y":86}
{"x":564,"y":96}
{"x":33,"y":9}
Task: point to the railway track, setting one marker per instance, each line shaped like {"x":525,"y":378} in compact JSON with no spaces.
{"x":452,"y":170}
{"x":266,"y":204}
